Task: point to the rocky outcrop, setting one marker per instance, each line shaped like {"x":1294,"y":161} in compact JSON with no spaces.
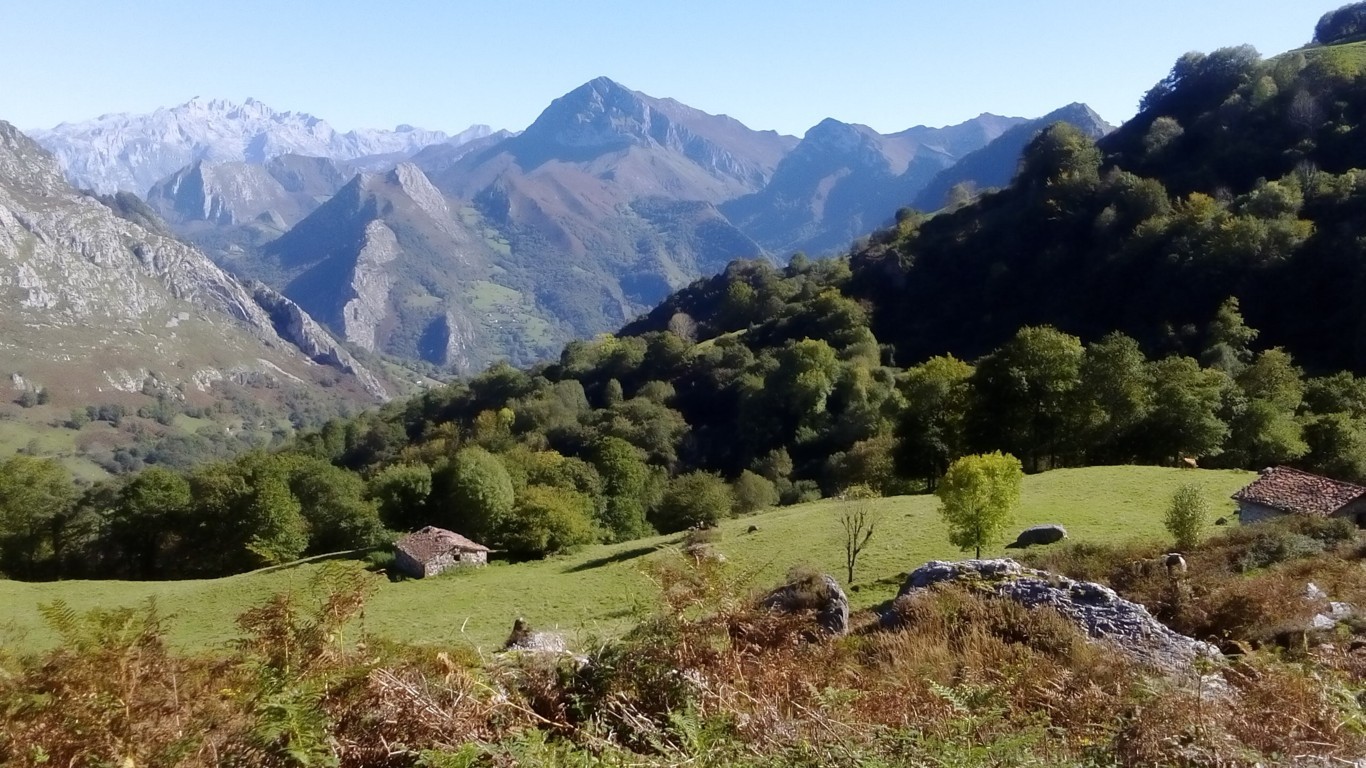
{"x":1103,"y":615}
{"x":1038,"y":534}
{"x":818,"y":593}
{"x":370,"y":285}
{"x":298,"y":328}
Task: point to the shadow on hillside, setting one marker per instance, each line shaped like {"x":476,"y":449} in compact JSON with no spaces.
{"x":350,"y":554}
{"x":620,"y":557}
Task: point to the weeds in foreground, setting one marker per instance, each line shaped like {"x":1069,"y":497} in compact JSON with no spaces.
{"x":953,"y":678}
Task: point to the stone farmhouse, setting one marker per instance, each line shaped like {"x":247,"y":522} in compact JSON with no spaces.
{"x":431,"y":550}
{"x":1284,"y":491}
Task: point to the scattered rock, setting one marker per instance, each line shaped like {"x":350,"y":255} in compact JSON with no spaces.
{"x":704,"y":552}
{"x":1038,"y":534}
{"x":1095,"y":608}
{"x":819,"y":593}
{"x":524,"y":639}
{"x":1233,"y":649}
{"x":1337,"y":611}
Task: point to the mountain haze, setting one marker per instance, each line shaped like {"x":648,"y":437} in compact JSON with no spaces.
{"x":844,"y":180}
{"x":131,"y":152}
{"x":995,"y":164}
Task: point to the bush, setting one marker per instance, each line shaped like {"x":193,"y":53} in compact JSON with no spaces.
{"x":1186,"y":516}
{"x":801,"y":492}
{"x":1278,"y":547}
{"x":694,"y":499}
{"x":753,"y":492}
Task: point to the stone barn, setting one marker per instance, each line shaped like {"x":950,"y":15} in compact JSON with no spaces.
{"x":432,"y":550}
{"x":1282,"y":491}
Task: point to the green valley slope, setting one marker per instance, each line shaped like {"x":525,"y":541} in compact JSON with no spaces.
{"x":596,"y":590}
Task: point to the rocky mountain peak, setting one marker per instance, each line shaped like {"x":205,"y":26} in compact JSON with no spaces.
{"x":600,"y":113}
{"x":25,"y":163}
{"x":415,"y":184}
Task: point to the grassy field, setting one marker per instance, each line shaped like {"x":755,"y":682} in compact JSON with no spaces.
{"x":1347,"y":59}
{"x":598,"y":590}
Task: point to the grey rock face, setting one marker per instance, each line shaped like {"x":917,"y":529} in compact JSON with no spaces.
{"x":1095,"y":608}
{"x":1038,"y":534}
{"x":94,"y":289}
{"x":296,"y":327}
{"x":824,"y":596}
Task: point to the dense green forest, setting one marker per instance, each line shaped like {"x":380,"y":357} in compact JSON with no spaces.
{"x":1144,"y":299}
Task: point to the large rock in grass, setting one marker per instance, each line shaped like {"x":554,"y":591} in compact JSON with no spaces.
{"x":1038,"y":534}
{"x":524,"y":639}
{"x":816,"y":592}
{"x":1103,"y":615}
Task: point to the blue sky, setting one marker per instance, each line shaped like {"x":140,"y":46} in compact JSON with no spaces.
{"x":783,"y":66}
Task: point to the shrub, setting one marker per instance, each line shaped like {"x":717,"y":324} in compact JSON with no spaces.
{"x":1277,"y":547}
{"x":802,"y":492}
{"x":694,"y":499}
{"x":753,"y":492}
{"x":1186,"y":516}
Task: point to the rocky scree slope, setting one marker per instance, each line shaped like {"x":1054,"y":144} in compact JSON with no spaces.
{"x":96,"y":303}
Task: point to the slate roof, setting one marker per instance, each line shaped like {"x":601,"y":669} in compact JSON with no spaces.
{"x":424,"y":544}
{"x":1299,"y":493}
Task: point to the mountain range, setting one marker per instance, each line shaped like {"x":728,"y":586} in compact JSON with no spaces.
{"x":131,"y":152}
{"x":105,"y":307}
{"x":461,"y":250}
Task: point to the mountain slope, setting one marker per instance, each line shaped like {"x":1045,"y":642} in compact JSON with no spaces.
{"x":995,"y":164}
{"x":394,"y":267}
{"x":608,"y":200}
{"x":1239,"y":178}
{"x":132,"y":152}
{"x":102,"y":309}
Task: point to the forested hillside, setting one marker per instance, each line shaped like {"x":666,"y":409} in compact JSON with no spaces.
{"x":1149,"y":298}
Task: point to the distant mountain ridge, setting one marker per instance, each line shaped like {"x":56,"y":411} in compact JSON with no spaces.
{"x":131,"y":152}
{"x":994,"y":164}
{"x":844,"y":180}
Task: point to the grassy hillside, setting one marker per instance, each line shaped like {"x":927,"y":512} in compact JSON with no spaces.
{"x":595,"y":591}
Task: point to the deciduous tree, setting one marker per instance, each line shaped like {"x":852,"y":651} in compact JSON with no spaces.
{"x":977,"y":497}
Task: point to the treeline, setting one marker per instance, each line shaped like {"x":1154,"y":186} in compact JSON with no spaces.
{"x":657,"y":432}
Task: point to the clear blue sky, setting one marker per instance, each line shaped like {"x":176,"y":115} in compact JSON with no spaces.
{"x":784,"y":66}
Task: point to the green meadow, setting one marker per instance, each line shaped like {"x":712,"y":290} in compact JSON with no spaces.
{"x":599,"y":590}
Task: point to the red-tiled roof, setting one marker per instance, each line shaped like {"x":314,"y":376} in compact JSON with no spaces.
{"x":431,"y":541}
{"x":1299,"y":493}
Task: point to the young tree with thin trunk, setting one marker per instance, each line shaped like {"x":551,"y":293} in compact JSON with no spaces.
{"x":977,"y":497}
{"x":859,"y":522}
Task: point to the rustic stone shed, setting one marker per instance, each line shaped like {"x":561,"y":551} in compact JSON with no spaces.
{"x":1281,"y":491}
{"x":431,"y":550}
